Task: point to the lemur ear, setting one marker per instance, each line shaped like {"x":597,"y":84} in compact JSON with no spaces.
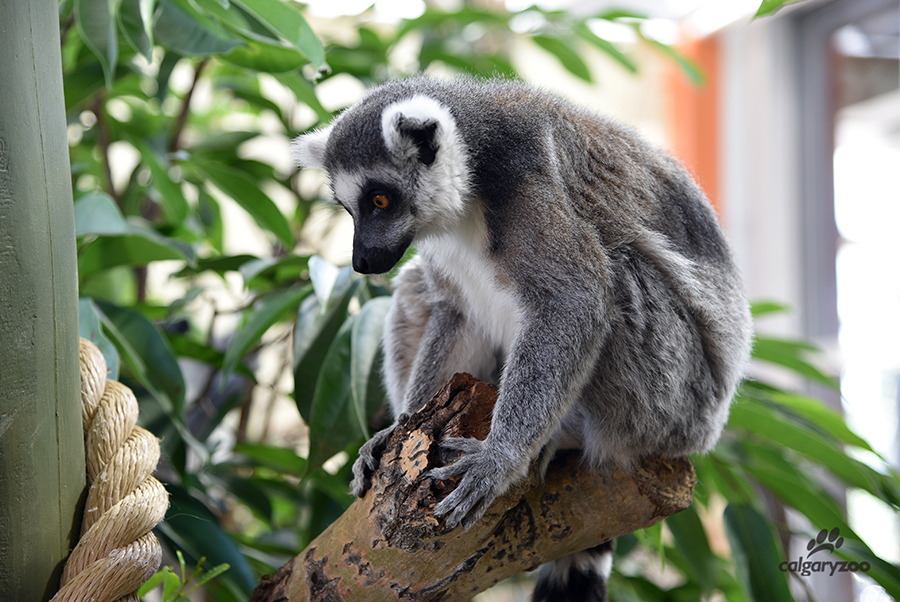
{"x":416,"y":127}
{"x":308,"y":150}
{"x":422,"y":135}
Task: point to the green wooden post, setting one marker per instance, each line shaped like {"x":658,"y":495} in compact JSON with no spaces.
{"x":41,"y":445}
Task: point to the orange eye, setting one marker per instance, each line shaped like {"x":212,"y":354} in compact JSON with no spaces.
{"x":380,"y":201}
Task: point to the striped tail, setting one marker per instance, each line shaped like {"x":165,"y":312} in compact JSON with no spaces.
{"x":580,"y":577}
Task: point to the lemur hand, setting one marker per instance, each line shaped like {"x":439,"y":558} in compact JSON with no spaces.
{"x":486,"y":475}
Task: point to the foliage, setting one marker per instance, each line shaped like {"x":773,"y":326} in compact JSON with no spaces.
{"x":177,"y":588}
{"x":169,"y":103}
{"x":778,"y":445}
{"x":769,"y":7}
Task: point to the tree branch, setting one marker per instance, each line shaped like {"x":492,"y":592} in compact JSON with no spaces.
{"x":99,"y":110}
{"x":389,"y":546}
{"x":186,"y":108}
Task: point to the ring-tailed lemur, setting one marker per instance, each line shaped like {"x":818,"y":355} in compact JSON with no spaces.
{"x":558,"y":254}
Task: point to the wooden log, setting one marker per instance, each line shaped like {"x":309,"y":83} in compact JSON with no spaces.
{"x":389,"y":546}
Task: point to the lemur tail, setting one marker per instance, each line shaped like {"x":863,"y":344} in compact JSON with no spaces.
{"x":579,"y":577}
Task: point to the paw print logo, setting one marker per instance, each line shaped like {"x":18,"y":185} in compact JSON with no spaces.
{"x":825,"y":540}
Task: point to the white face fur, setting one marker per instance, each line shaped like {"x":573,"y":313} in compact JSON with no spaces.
{"x":308,"y":150}
{"x":441,"y":186}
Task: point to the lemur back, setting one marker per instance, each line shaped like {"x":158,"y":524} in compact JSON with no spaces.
{"x":559,"y":255}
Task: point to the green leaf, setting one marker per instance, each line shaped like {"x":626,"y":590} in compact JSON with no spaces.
{"x":82,"y":84}
{"x":616,"y":14}
{"x":793,"y":487}
{"x":96,"y":213}
{"x":333,"y":424}
{"x":334,"y":486}
{"x":756,"y":554}
{"x":171,"y":587}
{"x":688,"y":65}
{"x":651,"y":538}
{"x":89,"y":328}
{"x":726,"y":476}
{"x":266,"y":311}
{"x":211,"y":574}
{"x":765,"y":307}
{"x":210,"y":215}
{"x":183,"y":566}
{"x":183,"y":346}
{"x":323,"y":510}
{"x":886,"y":574}
{"x":368,"y":331}
{"x":786,"y":346}
{"x":567,"y":55}
{"x":788,"y":354}
{"x":259,"y":103}
{"x":138,"y":344}
{"x":286,"y":21}
{"x":305,"y":93}
{"x":264,"y":50}
{"x":769,"y":423}
{"x":624,"y":588}
{"x":224,"y":142}
{"x":273,"y":271}
{"x":181,"y":28}
{"x":816,"y":412}
{"x":166,"y":67}
{"x":485,"y":65}
{"x":771,"y":6}
{"x":136,"y":23}
{"x":268,"y":58}
{"x":328,"y":280}
{"x":169,"y":195}
{"x":314,"y":331}
{"x":230,"y":18}
{"x":219,"y":265}
{"x":279,"y":459}
{"x":584,"y":32}
{"x":437,"y":17}
{"x":142,"y":227}
{"x":250,"y":494}
{"x":137,"y":249}
{"x":96,"y":21}
{"x":192,"y":528}
{"x":691,"y":541}
{"x":153,"y":581}
{"x":246,"y":192}
{"x":155,"y":365}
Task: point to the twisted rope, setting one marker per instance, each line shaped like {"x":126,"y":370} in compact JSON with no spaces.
{"x":117,"y":551}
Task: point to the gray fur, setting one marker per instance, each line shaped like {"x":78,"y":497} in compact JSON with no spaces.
{"x":559,"y":253}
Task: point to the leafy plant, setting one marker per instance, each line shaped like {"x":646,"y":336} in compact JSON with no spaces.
{"x":779,"y":444}
{"x":169,"y":103}
{"x":176,"y":588}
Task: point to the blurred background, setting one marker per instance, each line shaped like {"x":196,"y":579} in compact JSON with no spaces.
{"x":194,"y":224}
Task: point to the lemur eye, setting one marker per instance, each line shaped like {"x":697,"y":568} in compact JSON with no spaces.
{"x":380,"y":201}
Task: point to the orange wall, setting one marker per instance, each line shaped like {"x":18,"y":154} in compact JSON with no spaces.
{"x":692,"y":115}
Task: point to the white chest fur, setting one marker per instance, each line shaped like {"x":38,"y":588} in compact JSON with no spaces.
{"x":461,"y":256}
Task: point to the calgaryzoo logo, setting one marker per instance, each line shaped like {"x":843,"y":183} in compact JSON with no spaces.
{"x":825,"y":540}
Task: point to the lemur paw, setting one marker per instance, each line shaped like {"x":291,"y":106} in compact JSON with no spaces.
{"x":486,"y":475}
{"x":369,"y":457}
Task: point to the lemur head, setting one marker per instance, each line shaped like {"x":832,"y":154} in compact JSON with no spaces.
{"x":398,"y":166}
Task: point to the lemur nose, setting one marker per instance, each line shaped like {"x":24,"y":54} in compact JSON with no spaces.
{"x":361,"y":265}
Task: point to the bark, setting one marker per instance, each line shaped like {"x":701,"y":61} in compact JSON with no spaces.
{"x":389,"y":546}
